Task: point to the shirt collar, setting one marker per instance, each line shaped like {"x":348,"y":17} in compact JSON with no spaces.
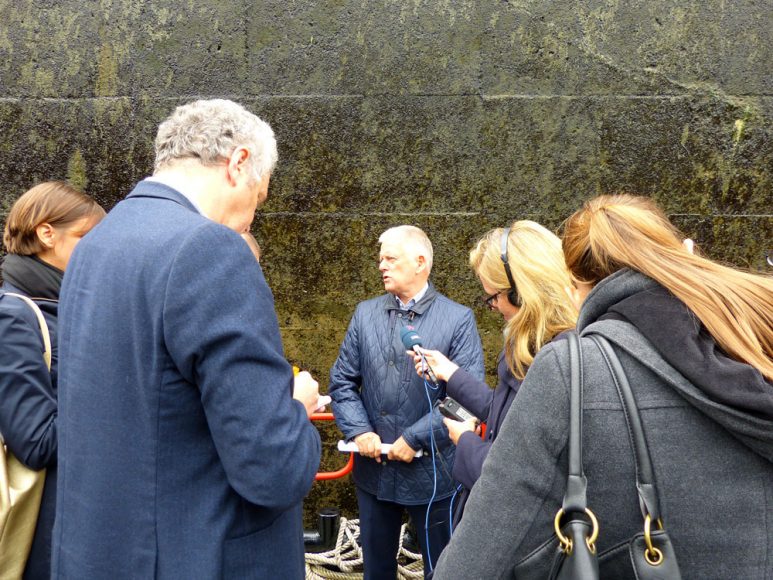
{"x":185,"y":194}
{"x":414,"y":300}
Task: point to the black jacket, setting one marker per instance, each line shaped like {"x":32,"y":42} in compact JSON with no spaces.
{"x":490,"y":406}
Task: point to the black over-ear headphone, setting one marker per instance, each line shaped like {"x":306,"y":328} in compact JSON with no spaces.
{"x":512,"y":295}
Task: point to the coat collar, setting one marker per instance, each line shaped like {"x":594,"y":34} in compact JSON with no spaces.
{"x":154,"y":189}
{"x":390,"y":302}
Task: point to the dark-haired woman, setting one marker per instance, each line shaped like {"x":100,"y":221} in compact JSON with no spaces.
{"x":41,"y":231}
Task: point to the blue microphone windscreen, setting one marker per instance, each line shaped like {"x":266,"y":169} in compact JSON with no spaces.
{"x":410,"y":338}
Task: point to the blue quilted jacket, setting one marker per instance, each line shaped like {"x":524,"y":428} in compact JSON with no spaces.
{"x":375,"y":388}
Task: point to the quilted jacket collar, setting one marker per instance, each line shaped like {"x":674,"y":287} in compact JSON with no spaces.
{"x":390,"y":302}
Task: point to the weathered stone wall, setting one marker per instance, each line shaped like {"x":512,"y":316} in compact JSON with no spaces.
{"x":456,"y":116}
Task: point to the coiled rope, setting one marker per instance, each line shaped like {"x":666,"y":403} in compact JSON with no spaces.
{"x":344,"y":562}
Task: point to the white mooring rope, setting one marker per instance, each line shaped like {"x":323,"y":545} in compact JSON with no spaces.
{"x":344,"y":562}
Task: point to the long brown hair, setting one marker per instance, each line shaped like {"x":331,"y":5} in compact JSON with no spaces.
{"x":540,"y":275}
{"x":625,"y":231}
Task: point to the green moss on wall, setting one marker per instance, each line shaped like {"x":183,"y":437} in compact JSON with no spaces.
{"x":456,"y":116}
{"x":76,"y":171}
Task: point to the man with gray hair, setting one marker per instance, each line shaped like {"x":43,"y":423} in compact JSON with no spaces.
{"x":378,"y":398}
{"x":185,"y":448}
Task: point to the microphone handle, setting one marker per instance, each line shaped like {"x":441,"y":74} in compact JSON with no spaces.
{"x":429,"y":372}
{"x":432,"y":376}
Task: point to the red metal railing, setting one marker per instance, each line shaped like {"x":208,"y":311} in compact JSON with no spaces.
{"x":346,"y":469}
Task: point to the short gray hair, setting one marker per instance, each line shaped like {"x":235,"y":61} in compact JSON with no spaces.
{"x":409,"y":236}
{"x":210,"y":131}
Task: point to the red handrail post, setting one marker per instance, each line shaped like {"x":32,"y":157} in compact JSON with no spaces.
{"x":346,"y":469}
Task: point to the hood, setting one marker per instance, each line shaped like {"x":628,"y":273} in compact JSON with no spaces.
{"x":674,"y":343}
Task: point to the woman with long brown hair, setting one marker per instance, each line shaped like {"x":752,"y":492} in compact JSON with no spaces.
{"x":41,"y":232}
{"x":695,"y":341}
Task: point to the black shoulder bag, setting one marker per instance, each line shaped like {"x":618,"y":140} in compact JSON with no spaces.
{"x":650,"y":554}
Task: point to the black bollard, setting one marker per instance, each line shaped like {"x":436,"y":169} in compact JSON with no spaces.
{"x":324,"y":537}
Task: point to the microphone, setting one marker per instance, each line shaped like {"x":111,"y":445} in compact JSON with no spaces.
{"x":412,"y":341}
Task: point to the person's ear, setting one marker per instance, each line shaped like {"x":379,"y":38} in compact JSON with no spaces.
{"x":46,"y":234}
{"x":421,"y":262}
{"x":577,"y":293}
{"x":238,"y":164}
{"x":573,"y":295}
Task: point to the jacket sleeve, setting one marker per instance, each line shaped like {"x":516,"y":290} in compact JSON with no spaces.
{"x":418,"y":436}
{"x":221,"y":330}
{"x":472,"y":393}
{"x":517,"y":477}
{"x":471,"y":452}
{"x":28,"y":410}
{"x":345,"y":384}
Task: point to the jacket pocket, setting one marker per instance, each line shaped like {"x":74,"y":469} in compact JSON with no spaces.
{"x":249,"y":556}
{"x":268,"y":553}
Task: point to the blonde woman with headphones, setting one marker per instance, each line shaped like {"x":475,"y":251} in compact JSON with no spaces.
{"x":521,"y":269}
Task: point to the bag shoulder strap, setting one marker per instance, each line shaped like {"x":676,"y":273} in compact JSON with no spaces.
{"x":575,"y":498}
{"x":645,"y":475}
{"x":41,"y":322}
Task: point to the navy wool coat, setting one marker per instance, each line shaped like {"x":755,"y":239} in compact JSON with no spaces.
{"x":491,"y":407}
{"x":182,"y":453}
{"x":28,"y":407}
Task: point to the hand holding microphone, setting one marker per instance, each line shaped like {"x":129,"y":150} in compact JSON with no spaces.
{"x":430,"y":363}
{"x":436,"y":360}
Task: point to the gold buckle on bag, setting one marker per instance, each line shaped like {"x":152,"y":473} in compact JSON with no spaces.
{"x":653,"y":556}
{"x":566,"y":543}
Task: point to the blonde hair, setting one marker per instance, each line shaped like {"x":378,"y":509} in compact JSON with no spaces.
{"x":541,"y":278}
{"x":52,"y":202}
{"x":625,"y":231}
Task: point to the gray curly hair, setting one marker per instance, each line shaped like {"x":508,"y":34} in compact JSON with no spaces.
{"x":210,"y":131}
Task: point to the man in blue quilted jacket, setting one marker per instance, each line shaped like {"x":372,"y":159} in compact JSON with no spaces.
{"x":378,"y":398}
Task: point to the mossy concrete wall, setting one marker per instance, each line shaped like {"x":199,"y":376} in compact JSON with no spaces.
{"x":456,"y":116}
